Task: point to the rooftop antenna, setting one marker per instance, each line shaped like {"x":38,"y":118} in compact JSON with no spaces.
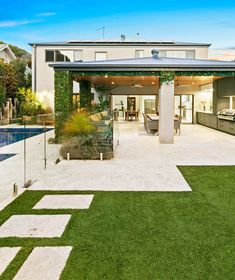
{"x":103,"y":30}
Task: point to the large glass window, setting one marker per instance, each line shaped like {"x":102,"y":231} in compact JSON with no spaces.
{"x":190,"y":54}
{"x":68,"y":55}
{"x":162,"y":53}
{"x":50,"y":56}
{"x":78,"y":55}
{"x":139,"y":53}
{"x":59,"y":55}
{"x":184,"y":107}
{"x":176,"y":54}
{"x":63,"y":55}
{"x":100,"y":56}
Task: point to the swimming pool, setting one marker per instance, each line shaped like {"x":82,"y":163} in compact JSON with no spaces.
{"x":12,"y":135}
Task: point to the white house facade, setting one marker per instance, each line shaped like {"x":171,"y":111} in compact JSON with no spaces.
{"x":45,"y":53}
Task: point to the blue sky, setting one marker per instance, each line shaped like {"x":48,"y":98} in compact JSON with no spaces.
{"x":47,"y":20}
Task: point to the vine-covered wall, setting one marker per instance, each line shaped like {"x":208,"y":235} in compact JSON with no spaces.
{"x":63,"y":99}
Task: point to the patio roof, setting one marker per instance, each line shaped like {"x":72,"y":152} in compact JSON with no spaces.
{"x":147,"y":64}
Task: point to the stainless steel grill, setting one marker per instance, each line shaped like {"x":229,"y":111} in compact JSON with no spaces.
{"x":227,"y":114}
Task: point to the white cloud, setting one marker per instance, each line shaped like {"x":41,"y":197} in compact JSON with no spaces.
{"x":12,"y":23}
{"x":48,"y":14}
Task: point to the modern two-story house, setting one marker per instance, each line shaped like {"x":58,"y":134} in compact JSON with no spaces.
{"x":45,"y":53}
{"x":135,"y":70}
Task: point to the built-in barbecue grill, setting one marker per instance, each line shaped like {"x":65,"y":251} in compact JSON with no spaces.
{"x":227,"y":114}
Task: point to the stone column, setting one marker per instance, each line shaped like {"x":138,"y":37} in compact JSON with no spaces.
{"x":166,"y":113}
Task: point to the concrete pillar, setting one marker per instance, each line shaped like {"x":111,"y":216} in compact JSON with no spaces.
{"x":166,"y":113}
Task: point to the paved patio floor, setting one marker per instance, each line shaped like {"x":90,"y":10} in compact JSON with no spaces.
{"x":142,"y":164}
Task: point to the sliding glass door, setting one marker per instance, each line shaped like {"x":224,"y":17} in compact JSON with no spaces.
{"x":184,"y":107}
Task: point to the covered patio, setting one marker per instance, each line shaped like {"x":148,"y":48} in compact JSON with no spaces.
{"x":159,"y":76}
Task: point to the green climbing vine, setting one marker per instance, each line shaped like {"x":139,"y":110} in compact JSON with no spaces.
{"x":154,"y":73}
{"x":63,"y":98}
{"x":166,"y":77}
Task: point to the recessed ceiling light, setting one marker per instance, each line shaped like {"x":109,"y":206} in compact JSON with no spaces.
{"x":106,"y":76}
{"x":153,"y":83}
{"x":112,"y":83}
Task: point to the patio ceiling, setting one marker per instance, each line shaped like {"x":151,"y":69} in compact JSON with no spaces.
{"x":146,"y":80}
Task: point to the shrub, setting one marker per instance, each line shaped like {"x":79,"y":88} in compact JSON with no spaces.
{"x":78,"y":124}
{"x":30,"y":104}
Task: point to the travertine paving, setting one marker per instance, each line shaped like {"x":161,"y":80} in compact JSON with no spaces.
{"x":7,"y":254}
{"x":34,"y":226}
{"x":142,"y":164}
{"x":44,"y":263}
{"x":64,"y":202}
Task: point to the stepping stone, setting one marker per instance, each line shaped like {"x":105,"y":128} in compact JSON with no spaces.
{"x":7,"y":254}
{"x":34,"y":226}
{"x":64,"y":201}
{"x":45,"y":263}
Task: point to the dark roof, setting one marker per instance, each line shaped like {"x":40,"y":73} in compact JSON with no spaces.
{"x":119,"y":43}
{"x":148,"y":64}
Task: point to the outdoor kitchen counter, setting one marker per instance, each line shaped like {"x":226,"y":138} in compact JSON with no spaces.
{"x":211,"y":120}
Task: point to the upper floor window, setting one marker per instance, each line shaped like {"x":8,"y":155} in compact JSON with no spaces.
{"x":60,"y":55}
{"x":139,"y":53}
{"x":78,"y":55}
{"x":50,"y":56}
{"x":100,"y":56}
{"x":162,"y":53}
{"x":190,"y":54}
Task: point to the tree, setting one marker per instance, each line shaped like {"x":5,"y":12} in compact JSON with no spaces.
{"x":2,"y":94}
{"x":13,"y":76}
{"x":20,"y":69}
{"x":10,"y":80}
{"x":2,"y":86}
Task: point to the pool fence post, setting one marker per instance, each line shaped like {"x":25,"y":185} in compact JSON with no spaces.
{"x":25,"y":172}
{"x":45,"y":144}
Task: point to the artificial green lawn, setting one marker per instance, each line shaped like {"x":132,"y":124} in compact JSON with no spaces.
{"x":144,"y":235}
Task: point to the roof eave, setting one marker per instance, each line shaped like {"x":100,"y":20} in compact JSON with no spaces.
{"x":135,"y":43}
{"x":115,"y":68}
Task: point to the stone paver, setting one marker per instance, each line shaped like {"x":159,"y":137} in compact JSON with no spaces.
{"x":7,"y":254}
{"x":45,"y":263}
{"x":64,"y":202}
{"x":34,"y":226}
{"x":142,"y":164}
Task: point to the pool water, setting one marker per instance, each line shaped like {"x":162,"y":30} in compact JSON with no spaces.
{"x":12,"y":135}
